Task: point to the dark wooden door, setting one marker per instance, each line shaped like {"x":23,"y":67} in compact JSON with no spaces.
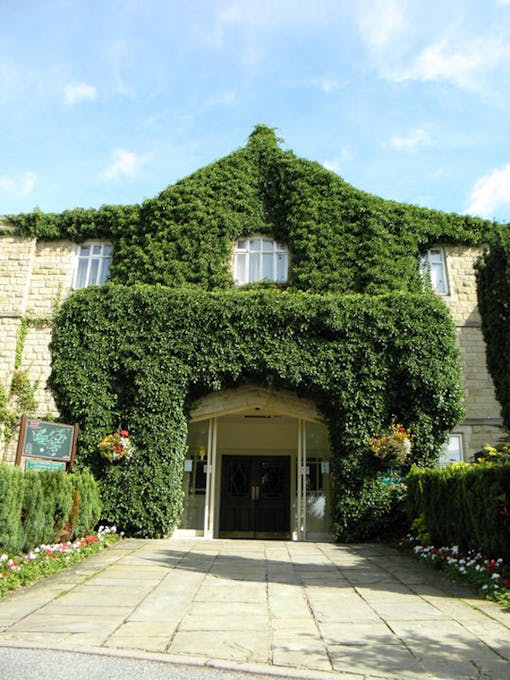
{"x":255,"y":497}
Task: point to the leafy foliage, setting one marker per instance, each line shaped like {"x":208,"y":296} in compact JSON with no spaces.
{"x":143,"y":354}
{"x":341,"y":239}
{"x":493,"y":278}
{"x":464,"y":505}
{"x":351,"y":329}
{"x":36,"y":507}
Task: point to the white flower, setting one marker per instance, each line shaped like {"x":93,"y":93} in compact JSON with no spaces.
{"x":4,"y":557}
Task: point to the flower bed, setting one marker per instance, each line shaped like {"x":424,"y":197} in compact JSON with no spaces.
{"x":20,"y":570}
{"x":491,"y":577}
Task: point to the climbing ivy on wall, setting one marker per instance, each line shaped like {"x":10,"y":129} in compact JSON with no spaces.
{"x":341,"y":239}
{"x":351,"y":328}
{"x":493,"y":279}
{"x":143,"y":354}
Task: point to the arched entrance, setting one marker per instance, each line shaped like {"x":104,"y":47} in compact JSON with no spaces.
{"x":257,"y":466}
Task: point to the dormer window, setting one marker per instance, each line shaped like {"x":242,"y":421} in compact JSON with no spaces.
{"x":260,"y":259}
{"x":93,"y":264}
{"x":433,"y":265}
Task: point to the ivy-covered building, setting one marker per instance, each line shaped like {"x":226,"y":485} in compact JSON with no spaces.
{"x":253,"y":326}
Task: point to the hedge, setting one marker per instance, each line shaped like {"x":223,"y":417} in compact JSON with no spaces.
{"x":465,"y":505}
{"x":45,"y":507}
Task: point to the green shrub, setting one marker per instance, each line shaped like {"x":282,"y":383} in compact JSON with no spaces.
{"x":40,"y":507}
{"x":12,"y":484}
{"x":89,"y":506}
{"x":36,"y":521}
{"x":58,"y":497}
{"x":464,"y":505}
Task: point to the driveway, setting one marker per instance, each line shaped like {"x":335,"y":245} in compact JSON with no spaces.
{"x":293,"y":609}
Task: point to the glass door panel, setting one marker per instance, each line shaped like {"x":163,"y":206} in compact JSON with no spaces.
{"x":195,"y":476}
{"x":318,"y":502}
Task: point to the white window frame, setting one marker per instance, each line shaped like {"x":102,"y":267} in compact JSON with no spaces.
{"x":444,"y":459}
{"x":433,"y":266}
{"x":258,"y":258}
{"x":93,"y":259}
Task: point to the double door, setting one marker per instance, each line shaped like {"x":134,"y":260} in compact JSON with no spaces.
{"x":255,"y":497}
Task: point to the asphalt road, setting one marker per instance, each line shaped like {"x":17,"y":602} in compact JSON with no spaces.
{"x":47,"y":664}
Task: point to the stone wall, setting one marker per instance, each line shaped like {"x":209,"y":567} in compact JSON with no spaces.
{"x":482,"y":423}
{"x":36,"y":277}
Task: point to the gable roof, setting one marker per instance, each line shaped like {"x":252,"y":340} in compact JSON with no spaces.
{"x":341,"y":239}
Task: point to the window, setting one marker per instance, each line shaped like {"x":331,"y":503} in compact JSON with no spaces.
{"x":93,"y":264}
{"x":433,"y":265}
{"x":452,"y":451}
{"x":260,"y":259}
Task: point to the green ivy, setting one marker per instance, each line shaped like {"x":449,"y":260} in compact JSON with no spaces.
{"x":493,"y":279}
{"x":21,"y":396}
{"x":341,"y":239}
{"x":143,"y":355}
{"x":352,"y":328}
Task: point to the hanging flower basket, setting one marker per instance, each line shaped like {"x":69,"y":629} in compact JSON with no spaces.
{"x":392,"y":446}
{"x":116,"y":447}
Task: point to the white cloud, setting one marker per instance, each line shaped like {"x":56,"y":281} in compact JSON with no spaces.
{"x":490,"y":191}
{"x":328,"y":85}
{"x":77,"y":92}
{"x":20,"y":186}
{"x":463,"y":64}
{"x":221,"y":99}
{"x":124,"y":164}
{"x":416,"y":138}
{"x":380,"y":21}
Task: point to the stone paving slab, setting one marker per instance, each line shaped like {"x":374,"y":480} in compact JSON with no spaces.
{"x":361,"y":611}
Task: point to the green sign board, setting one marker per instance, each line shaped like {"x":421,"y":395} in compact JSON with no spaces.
{"x":38,"y":465}
{"x":46,"y":440}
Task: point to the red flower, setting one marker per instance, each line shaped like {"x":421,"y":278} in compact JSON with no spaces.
{"x":124,"y":433}
{"x":506,"y":582}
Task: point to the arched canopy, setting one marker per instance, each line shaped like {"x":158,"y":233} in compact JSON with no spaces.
{"x":257,"y":400}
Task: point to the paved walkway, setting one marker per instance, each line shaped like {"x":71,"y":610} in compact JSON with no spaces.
{"x":294,"y":609}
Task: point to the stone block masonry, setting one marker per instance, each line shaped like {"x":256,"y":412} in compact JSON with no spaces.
{"x":482,"y":424}
{"x":34,"y":279}
{"x":36,"y":276}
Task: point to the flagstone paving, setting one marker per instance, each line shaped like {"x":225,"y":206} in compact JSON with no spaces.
{"x":302,"y":609}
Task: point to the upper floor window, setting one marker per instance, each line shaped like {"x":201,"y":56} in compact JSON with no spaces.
{"x":433,"y":264}
{"x":260,"y":259}
{"x":93,"y":266}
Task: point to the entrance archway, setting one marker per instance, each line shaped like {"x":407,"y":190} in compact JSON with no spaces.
{"x":257,"y":466}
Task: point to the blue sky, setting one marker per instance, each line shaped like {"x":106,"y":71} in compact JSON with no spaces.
{"x":110,"y":101}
